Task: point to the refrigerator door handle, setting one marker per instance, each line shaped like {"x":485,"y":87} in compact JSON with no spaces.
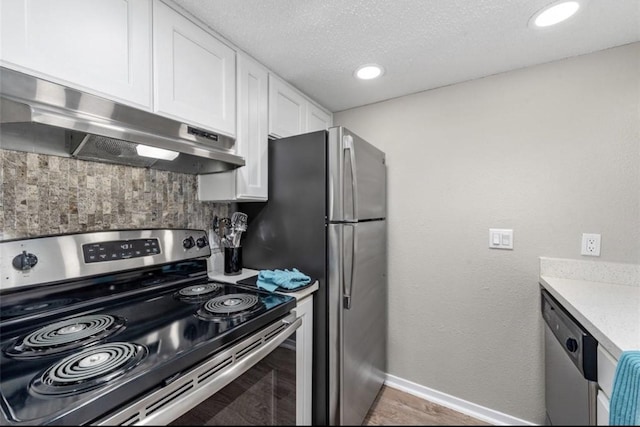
{"x":348,"y":286}
{"x":347,"y":141}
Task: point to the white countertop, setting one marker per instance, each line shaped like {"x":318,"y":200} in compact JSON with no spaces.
{"x":247,"y":272}
{"x":610,"y":312}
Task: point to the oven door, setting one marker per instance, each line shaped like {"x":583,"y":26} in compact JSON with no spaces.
{"x":251,"y":383}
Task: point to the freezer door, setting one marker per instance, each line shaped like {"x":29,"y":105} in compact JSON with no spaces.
{"x":358,"y":298}
{"x":357,"y":178}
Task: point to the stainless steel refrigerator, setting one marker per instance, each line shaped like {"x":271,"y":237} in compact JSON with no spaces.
{"x":326,"y":216}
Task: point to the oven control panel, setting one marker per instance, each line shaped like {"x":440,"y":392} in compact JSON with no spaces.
{"x":65,"y":257}
{"x":119,"y":249}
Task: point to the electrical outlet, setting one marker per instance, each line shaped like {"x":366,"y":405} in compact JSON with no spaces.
{"x":590,"y":244}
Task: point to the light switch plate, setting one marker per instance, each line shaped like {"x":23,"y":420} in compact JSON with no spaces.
{"x":501,"y":238}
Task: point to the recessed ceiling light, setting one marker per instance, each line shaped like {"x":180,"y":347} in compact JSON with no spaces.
{"x":555,"y":13}
{"x":368,"y":72}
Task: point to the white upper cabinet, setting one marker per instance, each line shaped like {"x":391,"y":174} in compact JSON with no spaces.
{"x":100,"y":46}
{"x":287,"y":109}
{"x":317,"y":119}
{"x":291,"y":113}
{"x":248,"y":183}
{"x":194,"y":73}
{"x":253,"y":130}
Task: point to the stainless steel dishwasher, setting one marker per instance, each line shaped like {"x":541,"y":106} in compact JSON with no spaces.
{"x":570,"y":367}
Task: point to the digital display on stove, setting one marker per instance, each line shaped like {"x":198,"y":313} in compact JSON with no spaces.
{"x":120,"y":249}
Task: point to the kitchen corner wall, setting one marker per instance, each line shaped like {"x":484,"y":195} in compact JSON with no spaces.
{"x":552,"y":151}
{"x":43,"y":194}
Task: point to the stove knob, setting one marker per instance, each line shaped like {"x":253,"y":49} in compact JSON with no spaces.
{"x":201,"y":242}
{"x":188,"y":243}
{"x":24,"y":261}
{"x":572,"y":345}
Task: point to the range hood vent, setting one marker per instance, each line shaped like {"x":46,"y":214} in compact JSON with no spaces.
{"x":44,"y":117}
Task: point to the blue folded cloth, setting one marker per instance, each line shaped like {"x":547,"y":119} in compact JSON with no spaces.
{"x":624,"y":407}
{"x":273,"y":279}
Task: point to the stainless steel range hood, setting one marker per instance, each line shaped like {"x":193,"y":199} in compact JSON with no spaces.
{"x":44,"y":117}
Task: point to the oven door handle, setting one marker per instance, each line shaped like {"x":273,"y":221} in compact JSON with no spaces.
{"x":170,"y":402}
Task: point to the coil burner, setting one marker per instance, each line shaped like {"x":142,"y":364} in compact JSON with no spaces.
{"x":89,"y":369}
{"x":230,"y":306}
{"x":198,"y":292}
{"x":66,"y":335}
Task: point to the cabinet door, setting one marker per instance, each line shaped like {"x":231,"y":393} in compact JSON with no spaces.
{"x":253,"y":133}
{"x":287,"y":109}
{"x":317,"y":119}
{"x":194,"y":73}
{"x":602,"y":409}
{"x":304,"y":355}
{"x":101,"y":46}
{"x":606,"y":370}
{"x":248,"y":183}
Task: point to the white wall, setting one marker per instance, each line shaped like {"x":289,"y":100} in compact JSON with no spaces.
{"x":551,"y":151}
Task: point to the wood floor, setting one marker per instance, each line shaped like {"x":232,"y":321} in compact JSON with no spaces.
{"x":395,"y":407}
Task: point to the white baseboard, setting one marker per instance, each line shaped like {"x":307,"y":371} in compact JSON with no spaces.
{"x":468,"y":408}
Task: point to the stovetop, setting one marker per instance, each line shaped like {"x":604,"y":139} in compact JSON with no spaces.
{"x":173,"y":333}
{"x":143,"y":327}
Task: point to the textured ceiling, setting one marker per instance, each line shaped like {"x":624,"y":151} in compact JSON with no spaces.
{"x":422,"y":44}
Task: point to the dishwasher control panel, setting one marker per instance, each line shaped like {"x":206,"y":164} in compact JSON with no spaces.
{"x":578,"y":344}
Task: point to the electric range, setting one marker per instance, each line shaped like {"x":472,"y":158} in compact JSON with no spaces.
{"x":92,"y":322}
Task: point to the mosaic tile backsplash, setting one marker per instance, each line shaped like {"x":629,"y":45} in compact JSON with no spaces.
{"x":41,"y":195}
